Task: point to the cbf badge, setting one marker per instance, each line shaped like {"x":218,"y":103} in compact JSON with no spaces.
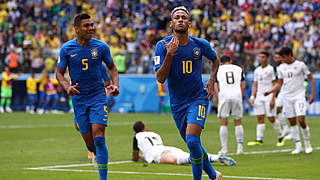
{"x":94,"y":54}
{"x":196,"y":53}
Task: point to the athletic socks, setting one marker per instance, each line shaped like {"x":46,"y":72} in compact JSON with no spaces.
{"x":196,"y":155}
{"x":239,"y":134}
{"x":183,"y":158}
{"x":306,"y":134}
{"x":260,"y":129}
{"x":207,"y":167}
{"x":92,"y":150}
{"x":8,"y":103}
{"x":296,"y":136}
{"x":277,"y":128}
{"x":102,"y":156}
{"x":3,"y":100}
{"x":224,"y":136}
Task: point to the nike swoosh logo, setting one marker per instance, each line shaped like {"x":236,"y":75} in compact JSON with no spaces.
{"x":199,"y":119}
{"x":73,"y":55}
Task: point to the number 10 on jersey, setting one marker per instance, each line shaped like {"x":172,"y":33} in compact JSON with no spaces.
{"x":186,"y":67}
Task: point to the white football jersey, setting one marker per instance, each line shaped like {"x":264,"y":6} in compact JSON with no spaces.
{"x":278,"y":77}
{"x":229,"y":77}
{"x":264,"y":77}
{"x":293,"y":76}
{"x":147,"y":141}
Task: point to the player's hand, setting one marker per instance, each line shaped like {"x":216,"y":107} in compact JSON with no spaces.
{"x":266,"y":93}
{"x":251,"y":102}
{"x":311,"y":99}
{"x":172,"y":46}
{"x":272,"y":103}
{"x":114,"y":90}
{"x":209,"y":87}
{"x":216,"y":101}
{"x":72,"y":90}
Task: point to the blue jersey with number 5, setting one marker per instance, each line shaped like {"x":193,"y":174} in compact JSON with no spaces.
{"x":185,"y":80}
{"x":85,"y":65}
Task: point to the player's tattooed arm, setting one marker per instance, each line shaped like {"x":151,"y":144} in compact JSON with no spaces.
{"x":164,"y":70}
{"x":70,"y":89}
{"x":210,"y":83}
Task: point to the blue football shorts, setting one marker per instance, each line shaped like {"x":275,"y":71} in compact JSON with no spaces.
{"x":32,"y":97}
{"x":94,"y":112}
{"x":193,"y":112}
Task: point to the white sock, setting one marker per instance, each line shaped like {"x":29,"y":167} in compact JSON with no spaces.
{"x":296,"y":136}
{"x":306,"y":134}
{"x":224,"y":136}
{"x":260,"y":129}
{"x":239,"y":134}
{"x":183,"y":158}
{"x":213,"y":157}
{"x":277,"y":128}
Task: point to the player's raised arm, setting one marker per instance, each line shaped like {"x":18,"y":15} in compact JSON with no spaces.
{"x":164,"y":70}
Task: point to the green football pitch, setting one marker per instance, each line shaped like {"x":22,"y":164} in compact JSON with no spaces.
{"x":47,"y":147}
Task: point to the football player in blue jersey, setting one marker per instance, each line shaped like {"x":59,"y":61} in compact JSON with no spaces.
{"x":178,"y":58}
{"x":84,"y":57}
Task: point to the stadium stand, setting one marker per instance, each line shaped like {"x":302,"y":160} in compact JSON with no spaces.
{"x":31,"y":32}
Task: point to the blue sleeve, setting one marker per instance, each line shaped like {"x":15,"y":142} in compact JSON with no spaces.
{"x":159,"y":55}
{"x":104,"y":74}
{"x":209,"y":52}
{"x":63,"y":58}
{"x":106,"y":56}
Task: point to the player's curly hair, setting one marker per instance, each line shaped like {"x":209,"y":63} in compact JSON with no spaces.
{"x":138,"y":126}
{"x":180,"y":8}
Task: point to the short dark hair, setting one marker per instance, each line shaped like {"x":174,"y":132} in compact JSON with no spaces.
{"x":138,"y":126}
{"x":285,"y":51}
{"x":265,"y":53}
{"x":225,"y":58}
{"x":79,"y":17}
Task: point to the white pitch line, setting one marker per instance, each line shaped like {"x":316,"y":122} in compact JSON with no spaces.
{"x":75,"y":165}
{"x":270,"y":151}
{"x":163,"y":174}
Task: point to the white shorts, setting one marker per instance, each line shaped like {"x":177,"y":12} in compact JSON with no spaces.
{"x":233,"y":106}
{"x":155,"y":154}
{"x":279,"y":100}
{"x":262,"y":107}
{"x":294,"y":107}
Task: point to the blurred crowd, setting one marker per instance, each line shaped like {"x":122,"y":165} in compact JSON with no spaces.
{"x":32,"y":31}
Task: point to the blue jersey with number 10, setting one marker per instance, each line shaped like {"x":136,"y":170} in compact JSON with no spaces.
{"x":84,"y":64}
{"x":184,"y":80}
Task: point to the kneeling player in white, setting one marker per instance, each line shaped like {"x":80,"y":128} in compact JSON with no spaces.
{"x":153,"y":150}
{"x":230,"y":79}
{"x":264,"y":77}
{"x":291,"y":76}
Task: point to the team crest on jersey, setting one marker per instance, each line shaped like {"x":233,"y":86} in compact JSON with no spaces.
{"x":94,"y":54}
{"x":196,"y":52}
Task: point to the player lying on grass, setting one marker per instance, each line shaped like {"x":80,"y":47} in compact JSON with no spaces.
{"x":153,"y":150}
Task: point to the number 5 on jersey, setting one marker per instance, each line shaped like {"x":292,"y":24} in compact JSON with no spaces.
{"x":85,"y":63}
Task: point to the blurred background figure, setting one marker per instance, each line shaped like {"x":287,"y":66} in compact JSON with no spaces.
{"x":162,"y":92}
{"x":6,"y":90}
{"x":31,"y":84}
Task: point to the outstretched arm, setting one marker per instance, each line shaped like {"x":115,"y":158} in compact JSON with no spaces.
{"x":275,"y":88}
